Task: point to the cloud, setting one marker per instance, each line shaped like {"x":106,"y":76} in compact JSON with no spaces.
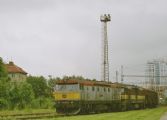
{"x":60,"y":37}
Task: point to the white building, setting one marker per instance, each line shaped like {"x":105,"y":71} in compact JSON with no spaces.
{"x":156,"y":76}
{"x":156,"y":73}
{"x":15,"y":73}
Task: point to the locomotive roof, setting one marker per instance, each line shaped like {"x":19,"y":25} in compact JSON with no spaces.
{"x":84,"y":82}
{"x":91,"y":83}
{"x":101,"y":83}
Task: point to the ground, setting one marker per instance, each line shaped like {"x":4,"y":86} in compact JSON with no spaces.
{"x":147,"y":114}
{"x":164,"y":117}
{"x":25,"y":111}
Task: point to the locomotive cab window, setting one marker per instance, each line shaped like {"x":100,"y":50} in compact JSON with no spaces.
{"x":108,"y":89}
{"x":93,"y":88}
{"x":67,"y":87}
{"x":81,"y":87}
{"x":97,"y":88}
{"x":104,"y":89}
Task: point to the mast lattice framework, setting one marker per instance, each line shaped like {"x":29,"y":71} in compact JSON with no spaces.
{"x":105,"y":63}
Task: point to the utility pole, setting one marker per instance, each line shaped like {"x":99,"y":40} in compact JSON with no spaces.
{"x":105,"y":64}
{"x":116,"y":76}
{"x":122,"y":74}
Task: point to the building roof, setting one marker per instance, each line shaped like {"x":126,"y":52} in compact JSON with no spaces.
{"x":12,"y":68}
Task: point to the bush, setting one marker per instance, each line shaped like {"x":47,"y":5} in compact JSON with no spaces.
{"x":21,"y":95}
{"x":43,"y":103}
{"x":48,"y":103}
{"x":3,"y":104}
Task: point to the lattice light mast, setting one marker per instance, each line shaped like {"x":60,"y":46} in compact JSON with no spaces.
{"x":105,"y":64}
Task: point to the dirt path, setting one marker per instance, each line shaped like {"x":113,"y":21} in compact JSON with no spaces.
{"x":164,"y":117}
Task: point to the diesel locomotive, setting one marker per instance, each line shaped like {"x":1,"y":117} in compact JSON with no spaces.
{"x":85,"y":96}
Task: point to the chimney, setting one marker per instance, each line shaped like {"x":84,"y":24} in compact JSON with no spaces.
{"x":11,"y":63}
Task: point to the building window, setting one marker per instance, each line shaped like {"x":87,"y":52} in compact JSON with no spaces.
{"x":13,"y":75}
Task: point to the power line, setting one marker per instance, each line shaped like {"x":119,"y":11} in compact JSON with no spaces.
{"x":142,"y":76}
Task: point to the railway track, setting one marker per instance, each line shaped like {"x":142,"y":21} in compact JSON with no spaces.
{"x":29,"y":116}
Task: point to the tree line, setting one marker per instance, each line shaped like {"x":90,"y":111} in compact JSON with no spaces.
{"x":32,"y":93}
{"x":35,"y":92}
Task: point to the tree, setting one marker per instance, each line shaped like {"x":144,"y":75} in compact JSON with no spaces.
{"x":21,"y":95}
{"x":72,"y":78}
{"x":41,"y":90}
{"x":39,"y":86}
{"x":4,"y":86}
{"x":52,"y":82}
{"x":3,"y":71}
{"x":4,"y":94}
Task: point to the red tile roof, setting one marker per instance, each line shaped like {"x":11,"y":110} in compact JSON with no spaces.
{"x":12,"y":68}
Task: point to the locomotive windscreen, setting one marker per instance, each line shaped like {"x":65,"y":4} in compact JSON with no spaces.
{"x":67,"y":87}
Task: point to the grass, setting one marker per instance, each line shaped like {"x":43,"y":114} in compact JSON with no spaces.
{"x":25,"y":111}
{"x":147,"y":114}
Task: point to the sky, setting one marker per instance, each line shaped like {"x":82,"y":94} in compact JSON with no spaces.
{"x":63,"y":37}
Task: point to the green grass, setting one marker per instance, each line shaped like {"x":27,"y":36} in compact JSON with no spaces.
{"x":25,"y":111}
{"x":148,"y":114}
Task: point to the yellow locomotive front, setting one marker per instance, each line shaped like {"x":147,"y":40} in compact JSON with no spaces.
{"x":67,"y":97}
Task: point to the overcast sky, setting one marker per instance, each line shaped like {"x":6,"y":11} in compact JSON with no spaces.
{"x":63,"y":37}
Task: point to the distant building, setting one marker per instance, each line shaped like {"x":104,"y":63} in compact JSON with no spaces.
{"x":156,"y":72}
{"x":15,"y":73}
{"x":156,"y":76}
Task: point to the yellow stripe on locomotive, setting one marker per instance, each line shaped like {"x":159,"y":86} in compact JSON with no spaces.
{"x":133,"y":97}
{"x":67,"y":95}
{"x":140,"y":97}
{"x":124,"y":97}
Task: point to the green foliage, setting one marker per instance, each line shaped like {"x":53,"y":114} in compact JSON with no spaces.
{"x":4,"y":86}
{"x":3,"y":103}
{"x":39,"y":86}
{"x":3,"y":72}
{"x":43,"y":103}
{"x":4,"y":89}
{"x":73,"y":78}
{"x":25,"y":111}
{"x":52,"y":82}
{"x":21,"y":95}
{"x":43,"y":92}
{"x":34,"y":93}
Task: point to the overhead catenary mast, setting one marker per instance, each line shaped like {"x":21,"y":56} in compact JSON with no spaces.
{"x":105,"y":64}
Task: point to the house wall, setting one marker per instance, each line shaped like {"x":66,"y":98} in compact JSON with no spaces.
{"x":17,"y":77}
